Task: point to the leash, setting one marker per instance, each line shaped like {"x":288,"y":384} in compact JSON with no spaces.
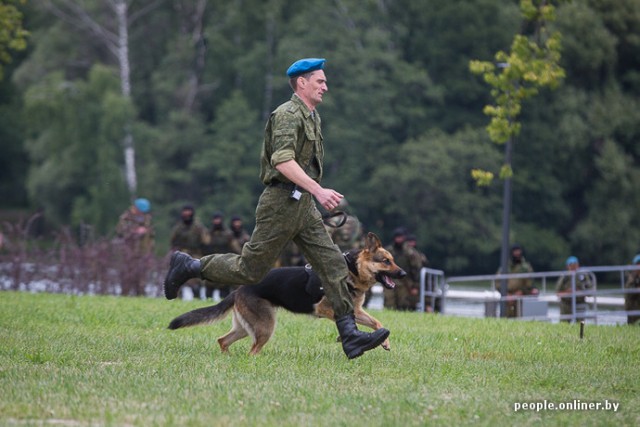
{"x":326,"y":218}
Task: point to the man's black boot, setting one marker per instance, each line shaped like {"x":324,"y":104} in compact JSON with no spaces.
{"x":355,"y":342}
{"x":181,"y":268}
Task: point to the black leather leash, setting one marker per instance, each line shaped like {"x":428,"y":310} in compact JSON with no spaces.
{"x":326,"y":217}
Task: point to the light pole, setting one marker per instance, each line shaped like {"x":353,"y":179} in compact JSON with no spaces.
{"x":506,"y":217}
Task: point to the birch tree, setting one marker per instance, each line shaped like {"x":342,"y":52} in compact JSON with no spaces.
{"x":112,"y":30}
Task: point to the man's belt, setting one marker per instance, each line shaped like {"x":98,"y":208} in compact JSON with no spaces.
{"x":285,"y":185}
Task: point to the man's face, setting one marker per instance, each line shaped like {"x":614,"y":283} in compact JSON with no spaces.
{"x":516,"y":254}
{"x":311,"y":91}
{"x":573,"y":266}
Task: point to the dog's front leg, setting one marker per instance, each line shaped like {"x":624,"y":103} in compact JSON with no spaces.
{"x":365,"y":319}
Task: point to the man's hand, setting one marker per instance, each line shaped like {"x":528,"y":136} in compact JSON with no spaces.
{"x":327,"y":197}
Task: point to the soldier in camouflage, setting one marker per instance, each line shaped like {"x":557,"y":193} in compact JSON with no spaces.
{"x":406,"y":294}
{"x":349,"y":235}
{"x":291,"y":170}
{"x":136,"y":234}
{"x":189,"y":236}
{"x":218,"y":242}
{"x":632,"y":301}
{"x":517,"y":287}
{"x":564,"y":291}
{"x":135,"y":228}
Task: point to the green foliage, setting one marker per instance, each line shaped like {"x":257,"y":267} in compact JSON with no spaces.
{"x":112,"y":361}
{"x":531,"y":63}
{"x":13,"y":37}
{"x":401,"y":106}
{"x":430,"y":172}
{"x":611,"y":235}
{"x":74,"y":147}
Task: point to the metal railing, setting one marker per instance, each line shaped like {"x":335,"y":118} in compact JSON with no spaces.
{"x":436,"y":288}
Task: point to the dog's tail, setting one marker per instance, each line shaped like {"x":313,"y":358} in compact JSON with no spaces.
{"x":204,"y":315}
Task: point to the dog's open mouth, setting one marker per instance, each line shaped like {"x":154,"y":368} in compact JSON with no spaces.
{"x":386,"y":281}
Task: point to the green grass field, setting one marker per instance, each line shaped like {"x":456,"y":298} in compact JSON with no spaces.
{"x":98,"y":360}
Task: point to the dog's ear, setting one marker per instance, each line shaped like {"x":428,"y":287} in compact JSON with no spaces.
{"x":372,"y":242}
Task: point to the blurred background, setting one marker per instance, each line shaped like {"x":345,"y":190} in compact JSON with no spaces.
{"x":111,"y":100}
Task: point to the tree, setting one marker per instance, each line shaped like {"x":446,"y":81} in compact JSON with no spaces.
{"x":12,"y":35}
{"x":533,"y":62}
{"x":425,"y":186}
{"x":74,"y":169}
{"x":114,"y":34}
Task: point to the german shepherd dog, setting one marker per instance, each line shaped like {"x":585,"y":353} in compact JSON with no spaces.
{"x":299,"y":290}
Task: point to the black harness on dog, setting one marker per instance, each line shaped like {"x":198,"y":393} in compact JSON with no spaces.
{"x":350,"y":259}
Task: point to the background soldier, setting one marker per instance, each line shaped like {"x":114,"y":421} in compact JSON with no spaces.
{"x":219,"y":242}
{"x":189,"y":235}
{"x":239,"y":235}
{"x":563,"y":289}
{"x":291,"y":256}
{"x":406,"y":294}
{"x":422,"y":261}
{"x":349,"y":235}
{"x":136,"y":232}
{"x":521,"y":286}
{"x":632,"y":301}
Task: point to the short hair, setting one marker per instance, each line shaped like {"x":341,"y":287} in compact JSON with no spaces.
{"x":293,"y":81}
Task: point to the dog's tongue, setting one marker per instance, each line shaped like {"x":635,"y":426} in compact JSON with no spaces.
{"x":390,"y":283}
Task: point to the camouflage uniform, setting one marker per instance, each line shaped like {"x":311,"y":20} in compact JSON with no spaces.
{"x":137,"y":236}
{"x":517,"y":287}
{"x":291,"y":256}
{"x":583,"y":282}
{"x":135,"y":229}
{"x":218,"y":242}
{"x":190,"y":238}
{"x":292,"y":133}
{"x":632,"y":301}
{"x":406,"y":294}
{"x":239,"y":237}
{"x":349,"y":236}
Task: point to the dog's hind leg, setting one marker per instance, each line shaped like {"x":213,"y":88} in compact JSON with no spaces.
{"x":263,"y":330}
{"x":236,"y":333}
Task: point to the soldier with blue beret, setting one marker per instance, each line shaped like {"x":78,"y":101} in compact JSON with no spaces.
{"x":564,"y":290}
{"x":291,"y":170}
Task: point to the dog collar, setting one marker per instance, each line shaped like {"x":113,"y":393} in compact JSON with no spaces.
{"x":351,"y":264}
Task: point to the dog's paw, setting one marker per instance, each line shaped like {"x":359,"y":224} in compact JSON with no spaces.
{"x":386,"y":345}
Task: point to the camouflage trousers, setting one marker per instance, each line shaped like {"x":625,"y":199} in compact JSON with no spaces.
{"x":279,"y":220}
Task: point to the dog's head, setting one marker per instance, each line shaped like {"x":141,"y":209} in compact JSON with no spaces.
{"x":375,"y":264}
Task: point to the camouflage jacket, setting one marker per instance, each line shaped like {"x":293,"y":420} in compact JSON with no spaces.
{"x":219,"y":241}
{"x":136,"y":229}
{"x":583,"y":282}
{"x":189,"y":238}
{"x":292,"y":133}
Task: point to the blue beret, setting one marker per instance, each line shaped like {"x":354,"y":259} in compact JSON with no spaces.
{"x":636,"y":259}
{"x":572,"y":260}
{"x":305,"y":65}
{"x":143,"y":205}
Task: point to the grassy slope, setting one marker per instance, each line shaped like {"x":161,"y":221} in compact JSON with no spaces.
{"x":111,"y":361}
